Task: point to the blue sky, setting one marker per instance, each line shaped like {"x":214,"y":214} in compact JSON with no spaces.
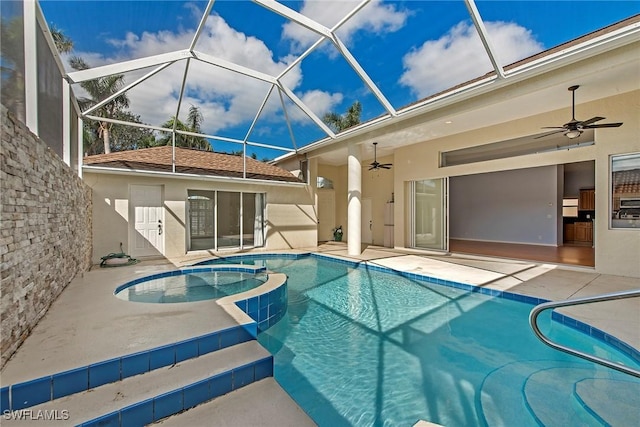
{"x":410,"y":49}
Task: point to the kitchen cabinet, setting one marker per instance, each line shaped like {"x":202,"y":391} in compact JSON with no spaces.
{"x":587,"y":200}
{"x":569,"y":232}
{"x":583,"y":231}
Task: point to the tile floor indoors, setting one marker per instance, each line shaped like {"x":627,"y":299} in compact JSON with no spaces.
{"x":87,"y":323}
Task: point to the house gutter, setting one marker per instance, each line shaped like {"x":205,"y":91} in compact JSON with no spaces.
{"x":186,"y":176}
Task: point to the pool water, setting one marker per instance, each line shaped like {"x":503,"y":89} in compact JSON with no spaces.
{"x":361,"y":347}
{"x":191,"y":286}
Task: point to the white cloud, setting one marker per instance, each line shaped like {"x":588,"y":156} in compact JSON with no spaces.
{"x":459,"y":56}
{"x":375,"y":17}
{"x":319,"y":102}
{"x":225,"y":98}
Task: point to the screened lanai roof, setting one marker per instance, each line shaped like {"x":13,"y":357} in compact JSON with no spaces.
{"x":263,"y":73}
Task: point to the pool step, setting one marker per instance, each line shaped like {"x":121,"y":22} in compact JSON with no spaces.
{"x":145,"y":398}
{"x":522,"y":393}
{"x":262,"y":403}
{"x":593,"y":397}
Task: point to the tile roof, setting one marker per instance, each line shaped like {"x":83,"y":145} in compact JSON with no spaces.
{"x":191,"y":162}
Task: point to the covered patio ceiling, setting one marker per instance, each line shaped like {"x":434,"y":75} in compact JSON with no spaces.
{"x":264,"y":73}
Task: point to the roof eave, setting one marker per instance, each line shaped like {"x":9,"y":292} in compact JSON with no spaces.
{"x":187,"y":176}
{"x":514,"y":73}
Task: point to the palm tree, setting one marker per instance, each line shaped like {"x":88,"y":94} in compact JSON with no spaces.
{"x":338,"y":122}
{"x":99,"y":89}
{"x":63,"y":43}
{"x":194,"y":124}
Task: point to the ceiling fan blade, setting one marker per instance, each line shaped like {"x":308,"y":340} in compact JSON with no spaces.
{"x":591,"y":120}
{"x":603,"y":125}
{"x":549,"y":133}
{"x":385,"y":167}
{"x":553,"y":127}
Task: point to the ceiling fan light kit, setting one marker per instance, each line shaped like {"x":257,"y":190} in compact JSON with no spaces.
{"x":572,"y":134}
{"x":574,"y":128}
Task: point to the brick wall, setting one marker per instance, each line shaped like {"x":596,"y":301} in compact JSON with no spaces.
{"x":45,"y":230}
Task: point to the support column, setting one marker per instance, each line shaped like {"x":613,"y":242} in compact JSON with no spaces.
{"x":354,"y":206}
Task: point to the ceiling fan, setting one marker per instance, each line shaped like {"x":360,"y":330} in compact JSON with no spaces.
{"x":377,"y":165}
{"x":574,"y":128}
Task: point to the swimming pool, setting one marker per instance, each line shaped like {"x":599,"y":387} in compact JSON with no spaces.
{"x":364,"y":347}
{"x":191,"y":285}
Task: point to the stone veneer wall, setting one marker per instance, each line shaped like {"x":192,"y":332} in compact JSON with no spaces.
{"x":45,"y":230}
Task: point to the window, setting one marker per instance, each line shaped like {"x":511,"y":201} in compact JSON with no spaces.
{"x":625,"y":191}
{"x":570,"y":207}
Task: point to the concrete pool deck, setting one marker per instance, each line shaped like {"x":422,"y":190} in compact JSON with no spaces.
{"x":87,"y":324}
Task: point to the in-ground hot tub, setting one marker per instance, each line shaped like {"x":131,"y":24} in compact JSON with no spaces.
{"x":192,"y":284}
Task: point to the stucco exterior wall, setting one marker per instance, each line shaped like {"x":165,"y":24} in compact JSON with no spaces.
{"x":290,"y":217}
{"x":45,"y":230}
{"x":616,"y":249}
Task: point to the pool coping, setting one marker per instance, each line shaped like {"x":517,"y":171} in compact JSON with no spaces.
{"x":270,"y":298}
{"x":188,"y":270}
{"x":571,"y":322}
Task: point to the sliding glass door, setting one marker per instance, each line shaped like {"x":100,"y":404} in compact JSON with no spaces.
{"x":201,"y":224}
{"x":224,"y":219}
{"x":428,"y":210}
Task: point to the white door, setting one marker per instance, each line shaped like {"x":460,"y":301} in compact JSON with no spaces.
{"x":326,"y":215}
{"x":367,"y":222}
{"x":146,"y":230}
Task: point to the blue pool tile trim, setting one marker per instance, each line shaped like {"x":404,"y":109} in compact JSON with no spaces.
{"x":109,"y":420}
{"x":265,"y":310}
{"x":4,"y":399}
{"x":268,"y":308}
{"x":220,"y":384}
{"x":168,"y":404}
{"x":188,"y":270}
{"x":597,"y":334}
{"x":138,"y":414}
{"x":134,"y":364}
{"x":239,"y":259}
{"x":29,"y":393}
{"x":104,"y":372}
{"x":192,"y":394}
{"x":69,"y":382}
{"x":187,"y":397}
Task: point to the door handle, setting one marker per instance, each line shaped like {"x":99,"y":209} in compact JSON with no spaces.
{"x":370,"y":225}
{"x":159,"y":227}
